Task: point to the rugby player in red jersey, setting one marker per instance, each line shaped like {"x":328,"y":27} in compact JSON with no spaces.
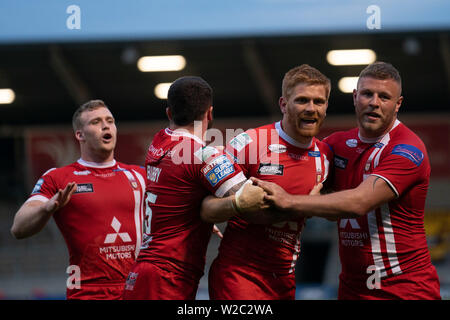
{"x":257,"y":261}
{"x":382,"y":174}
{"x":181,"y":171}
{"x":97,"y":204}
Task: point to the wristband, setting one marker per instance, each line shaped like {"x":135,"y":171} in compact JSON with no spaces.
{"x":235,"y":203}
{"x":235,"y":206}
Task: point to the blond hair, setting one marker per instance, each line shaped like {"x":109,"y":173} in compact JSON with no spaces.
{"x":304,"y":74}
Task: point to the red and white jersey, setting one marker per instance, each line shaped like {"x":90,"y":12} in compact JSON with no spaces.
{"x":101,"y":223}
{"x":390,"y":239}
{"x":181,"y":171}
{"x":269,"y":154}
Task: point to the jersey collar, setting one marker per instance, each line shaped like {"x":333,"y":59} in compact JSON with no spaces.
{"x":289,"y":139}
{"x":97,"y":165}
{"x":183,"y":133}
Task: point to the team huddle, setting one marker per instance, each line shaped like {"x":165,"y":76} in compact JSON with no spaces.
{"x":142,"y":232}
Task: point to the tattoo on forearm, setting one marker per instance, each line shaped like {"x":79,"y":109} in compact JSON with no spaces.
{"x":375,"y":181}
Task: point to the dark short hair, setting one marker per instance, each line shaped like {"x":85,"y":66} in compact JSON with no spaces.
{"x":381,"y":70}
{"x":304,"y":74}
{"x":188,"y":99}
{"x":88,"y":106}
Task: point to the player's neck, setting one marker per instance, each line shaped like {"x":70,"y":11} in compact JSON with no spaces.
{"x":368,"y":136}
{"x":99,"y":159}
{"x":293,"y":137}
{"x":198,"y":129}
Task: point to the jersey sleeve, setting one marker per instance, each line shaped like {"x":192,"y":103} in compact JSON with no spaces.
{"x":218,"y":172}
{"x":243,"y":149}
{"x":45,"y":187}
{"x":402,"y":166}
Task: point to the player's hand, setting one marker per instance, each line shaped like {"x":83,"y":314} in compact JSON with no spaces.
{"x":275,"y":195}
{"x":216,"y":230}
{"x":250,"y":198}
{"x":61,"y":198}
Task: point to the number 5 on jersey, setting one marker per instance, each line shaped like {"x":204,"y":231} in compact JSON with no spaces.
{"x":149,"y":199}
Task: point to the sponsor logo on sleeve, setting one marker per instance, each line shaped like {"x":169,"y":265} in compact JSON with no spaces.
{"x":208,"y":152}
{"x":218,"y":169}
{"x":409,"y":152}
{"x":270,"y":169}
{"x":340,"y":162}
{"x":240,"y":141}
{"x":84,"y":188}
{"x":235,"y":159}
{"x":205,"y":153}
{"x":38,"y":186}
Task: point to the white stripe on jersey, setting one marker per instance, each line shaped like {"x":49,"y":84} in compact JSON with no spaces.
{"x":38,"y":197}
{"x":375,"y":241}
{"x":296,"y":253}
{"x":139,"y":217}
{"x":319,"y":173}
{"x":327,"y":167}
{"x":137,"y":209}
{"x":385,"y":218}
{"x":390,"y":240}
{"x":227,"y":185}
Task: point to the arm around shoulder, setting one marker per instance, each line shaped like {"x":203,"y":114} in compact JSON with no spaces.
{"x":351,"y":203}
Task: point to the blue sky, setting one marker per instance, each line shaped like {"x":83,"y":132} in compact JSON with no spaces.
{"x":24,"y":21}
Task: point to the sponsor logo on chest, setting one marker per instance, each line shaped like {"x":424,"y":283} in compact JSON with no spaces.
{"x":270,"y":169}
{"x":301,"y":157}
{"x":277,"y":148}
{"x":352,"y":143}
{"x":84,"y":188}
{"x":117,"y":247}
{"x":82,"y":173}
{"x":340,"y":162}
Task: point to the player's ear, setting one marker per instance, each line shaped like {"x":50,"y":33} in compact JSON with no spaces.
{"x":210,"y":113}
{"x":79,"y":135}
{"x":399,"y":103}
{"x":169,"y":113}
{"x":282,"y":103}
{"x":355,"y":92}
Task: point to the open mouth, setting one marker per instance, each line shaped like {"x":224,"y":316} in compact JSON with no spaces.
{"x":308,"y":121}
{"x":107,"y":137}
{"x":373,"y":115}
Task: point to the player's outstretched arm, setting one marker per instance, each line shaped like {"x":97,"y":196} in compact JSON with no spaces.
{"x":352,"y":203}
{"x":34,"y":215}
